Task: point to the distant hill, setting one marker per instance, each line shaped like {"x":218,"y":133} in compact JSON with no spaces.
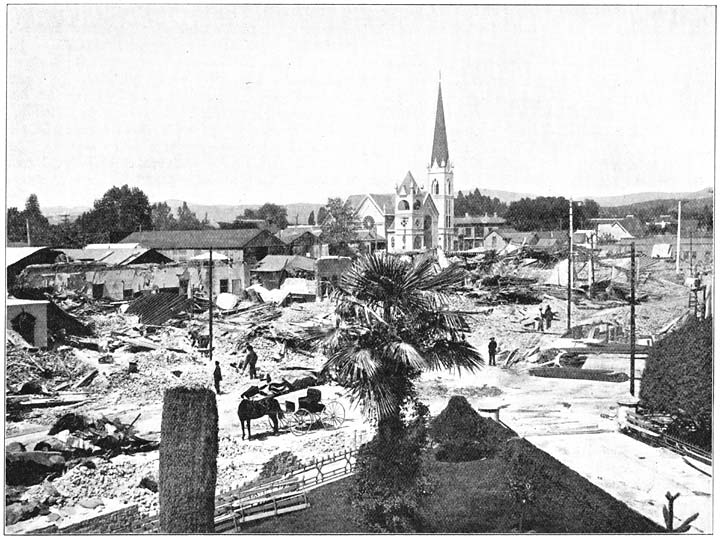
{"x":503,"y":196}
{"x":657,"y":207}
{"x":227,"y":213}
{"x":614,"y":201}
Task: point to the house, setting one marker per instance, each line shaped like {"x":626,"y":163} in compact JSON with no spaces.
{"x":301,"y":241}
{"x":471,"y":230}
{"x":501,"y":238}
{"x":272,"y":270}
{"x":696,"y":250}
{"x":248,"y":245}
{"x":552,"y":240}
{"x":415,"y":217}
{"x":328,"y":272}
{"x":615,"y":229}
{"x":18,"y":258}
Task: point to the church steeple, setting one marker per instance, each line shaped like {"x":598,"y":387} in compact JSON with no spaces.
{"x":440,"y":155}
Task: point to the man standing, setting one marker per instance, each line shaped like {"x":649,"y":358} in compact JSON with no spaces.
{"x":492,"y":350}
{"x":548,"y":317}
{"x":541,"y":319}
{"x":250,"y":360}
{"x":217,"y":375}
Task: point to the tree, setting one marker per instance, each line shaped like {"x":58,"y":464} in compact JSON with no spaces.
{"x":121,"y":211}
{"x":16,"y":231}
{"x":549,"y":213}
{"x":340,"y":225}
{"x":311,"y":218}
{"x":162,"y":217}
{"x":394,"y":326}
{"x":270,"y":213}
{"x":476,"y":204}
{"x":188,"y":460}
{"x":186,"y":219}
{"x":321,"y":216}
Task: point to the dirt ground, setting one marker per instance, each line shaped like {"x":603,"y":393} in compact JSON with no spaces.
{"x":533,"y":406}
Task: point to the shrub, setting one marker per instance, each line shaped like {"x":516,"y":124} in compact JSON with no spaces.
{"x":280,"y":464}
{"x":390,"y":480}
{"x":678,"y":380}
{"x":463,"y":435}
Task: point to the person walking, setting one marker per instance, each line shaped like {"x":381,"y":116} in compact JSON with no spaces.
{"x":548,"y":317}
{"x":217,"y":375}
{"x":250,"y":361}
{"x":540,"y":321}
{"x":492,"y":350}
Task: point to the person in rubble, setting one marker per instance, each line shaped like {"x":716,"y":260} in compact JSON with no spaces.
{"x":250,"y":361}
{"x":492,"y":350}
{"x":217,"y":375}
{"x":541,"y":324}
{"x":548,"y":316}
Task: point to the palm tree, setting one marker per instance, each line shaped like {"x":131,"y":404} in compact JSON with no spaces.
{"x":395,"y":324}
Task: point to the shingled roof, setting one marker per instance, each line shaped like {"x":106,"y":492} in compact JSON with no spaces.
{"x":202,"y":239}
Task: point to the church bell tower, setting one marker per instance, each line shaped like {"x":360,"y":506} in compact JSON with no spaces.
{"x":440,"y":180}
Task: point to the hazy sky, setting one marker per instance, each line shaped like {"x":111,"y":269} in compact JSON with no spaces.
{"x":246,"y":104}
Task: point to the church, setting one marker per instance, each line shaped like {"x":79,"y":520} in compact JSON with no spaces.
{"x":416,"y":217}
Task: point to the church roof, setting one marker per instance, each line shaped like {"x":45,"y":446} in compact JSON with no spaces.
{"x":440,"y":154}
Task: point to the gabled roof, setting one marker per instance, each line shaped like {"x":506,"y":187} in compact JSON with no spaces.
{"x":356,"y":199}
{"x":116,"y":255}
{"x":288,"y":236}
{"x":386,"y":202}
{"x":440,"y":154}
{"x":203,"y":239}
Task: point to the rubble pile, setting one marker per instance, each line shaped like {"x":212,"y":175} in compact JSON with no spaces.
{"x":49,"y":368}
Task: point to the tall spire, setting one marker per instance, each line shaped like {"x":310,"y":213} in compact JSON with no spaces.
{"x":440,"y":153}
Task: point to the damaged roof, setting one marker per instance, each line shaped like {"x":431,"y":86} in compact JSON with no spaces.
{"x":276,"y":263}
{"x":117,"y":255}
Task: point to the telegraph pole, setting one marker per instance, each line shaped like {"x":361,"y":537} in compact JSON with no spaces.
{"x":27,"y":229}
{"x":570,"y":268}
{"x":632,"y":318}
{"x":210,"y":274}
{"x":677,"y":248}
{"x":691,"y":264}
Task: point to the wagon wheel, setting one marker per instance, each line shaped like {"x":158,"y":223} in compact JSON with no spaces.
{"x":333,"y":415}
{"x":301,"y":421}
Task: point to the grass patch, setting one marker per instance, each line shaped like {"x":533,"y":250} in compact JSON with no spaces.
{"x":473,"y":497}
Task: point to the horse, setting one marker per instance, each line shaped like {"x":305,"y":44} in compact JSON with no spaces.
{"x":252,"y":409}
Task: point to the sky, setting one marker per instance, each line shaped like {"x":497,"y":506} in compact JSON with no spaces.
{"x":248,"y":104}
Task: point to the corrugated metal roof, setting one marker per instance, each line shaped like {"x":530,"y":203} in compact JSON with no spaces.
{"x":272,"y":264}
{"x":157,"y":308}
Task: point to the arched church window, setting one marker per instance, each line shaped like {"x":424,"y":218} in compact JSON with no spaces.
{"x":449,"y":186}
{"x":435,"y":187}
{"x":417,"y":245}
{"x":403,"y":205}
{"x":416,"y":205}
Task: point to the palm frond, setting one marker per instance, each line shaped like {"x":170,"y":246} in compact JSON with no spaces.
{"x":405,"y":355}
{"x":448,"y":354}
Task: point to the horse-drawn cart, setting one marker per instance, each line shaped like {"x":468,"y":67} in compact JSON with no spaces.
{"x":307,"y":411}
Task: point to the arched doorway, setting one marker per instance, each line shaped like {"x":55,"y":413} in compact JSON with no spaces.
{"x":427,"y":231}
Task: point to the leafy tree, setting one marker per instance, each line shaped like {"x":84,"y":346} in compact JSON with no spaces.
{"x":186,"y":219}
{"x":121,"y":211}
{"x":340,"y":225}
{"x":475,"y":203}
{"x":321,"y":216}
{"x":162,"y":217}
{"x":271,"y":213}
{"x":394,"y":326}
{"x":311,"y":218}
{"x":16,"y":231}
{"x":549,"y":213}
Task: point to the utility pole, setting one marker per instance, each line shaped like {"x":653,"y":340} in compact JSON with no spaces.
{"x":691,"y":264}
{"x":677,"y":248}
{"x":632,"y":318}
{"x":570,"y":268}
{"x":210,"y":273}
{"x":592,"y":259}
{"x":27,"y":229}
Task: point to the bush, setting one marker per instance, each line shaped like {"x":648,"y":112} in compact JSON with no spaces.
{"x":463,"y":435}
{"x":390,"y":481}
{"x":280,"y":464}
{"x":678,"y":381}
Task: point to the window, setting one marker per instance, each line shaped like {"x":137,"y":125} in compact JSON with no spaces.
{"x":494,"y":241}
{"x":468,"y":231}
{"x":392,"y":242}
{"x":416,"y":205}
{"x":223,"y":285}
{"x":435,"y":189}
{"x":403,"y":205}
